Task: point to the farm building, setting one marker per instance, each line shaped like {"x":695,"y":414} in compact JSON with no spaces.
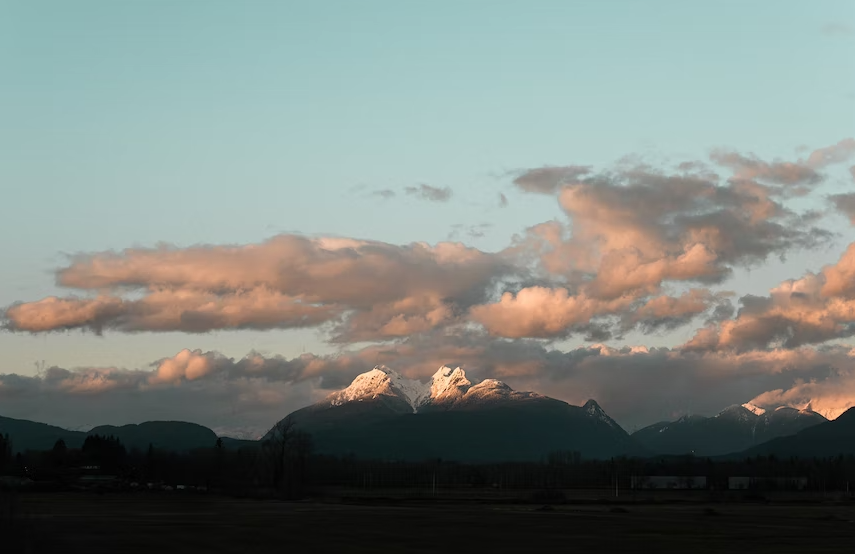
{"x":669,"y":482}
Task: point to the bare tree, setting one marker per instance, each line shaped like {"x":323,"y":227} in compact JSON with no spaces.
{"x":275,"y":448}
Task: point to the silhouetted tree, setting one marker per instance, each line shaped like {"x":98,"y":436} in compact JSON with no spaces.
{"x":107,"y":452}
{"x":275,"y":448}
{"x":5,"y":451}
{"x":58,"y":453}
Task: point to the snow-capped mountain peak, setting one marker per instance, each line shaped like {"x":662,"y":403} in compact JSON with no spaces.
{"x":448,"y":383}
{"x":382,"y":381}
{"x":445,"y":388}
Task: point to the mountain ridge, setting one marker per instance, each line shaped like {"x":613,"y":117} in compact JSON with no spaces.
{"x":735,"y":428}
{"x":383,"y":414}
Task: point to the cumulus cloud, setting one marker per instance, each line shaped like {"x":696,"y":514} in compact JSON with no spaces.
{"x":286,"y":282}
{"x":427,"y":192}
{"x":812,"y":310}
{"x":542,"y":312}
{"x":633,"y":240}
{"x":670,"y":312}
{"x":635,"y":229}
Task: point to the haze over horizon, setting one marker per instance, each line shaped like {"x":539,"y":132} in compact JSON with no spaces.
{"x":220,"y":215}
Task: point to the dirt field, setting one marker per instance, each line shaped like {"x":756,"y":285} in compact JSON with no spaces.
{"x":166,"y":523}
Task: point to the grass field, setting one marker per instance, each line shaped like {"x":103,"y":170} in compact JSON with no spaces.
{"x":166,"y":523}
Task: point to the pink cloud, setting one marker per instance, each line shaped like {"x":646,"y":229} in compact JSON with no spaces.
{"x":542,"y":312}
{"x":811,"y":310}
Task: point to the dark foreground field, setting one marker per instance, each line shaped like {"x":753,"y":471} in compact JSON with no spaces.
{"x":166,"y":523}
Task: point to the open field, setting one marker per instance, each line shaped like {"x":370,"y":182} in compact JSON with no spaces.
{"x":164,"y":523}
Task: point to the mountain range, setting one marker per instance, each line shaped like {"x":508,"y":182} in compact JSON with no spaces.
{"x":384,"y":415}
{"x":735,"y":429}
{"x":832,"y":438}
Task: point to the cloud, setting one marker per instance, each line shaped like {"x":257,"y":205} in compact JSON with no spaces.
{"x":812,"y":310}
{"x":548,"y":179}
{"x":781,"y":173}
{"x":633,"y":240}
{"x":427,"y":192}
{"x":385,"y":194}
{"x":186,"y":310}
{"x":802,"y":173}
{"x":202,"y":387}
{"x":634,"y":230}
{"x":542,"y":312}
{"x":845,"y":204}
{"x":286,"y":282}
{"x":476,"y":231}
{"x":636,"y":385}
{"x":834,"y":154}
{"x":670,"y":312}
{"x":830,"y":396}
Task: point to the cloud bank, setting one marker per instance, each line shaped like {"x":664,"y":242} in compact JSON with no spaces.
{"x":638,"y":249}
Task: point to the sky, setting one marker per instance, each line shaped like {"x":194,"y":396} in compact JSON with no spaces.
{"x":221,"y":212}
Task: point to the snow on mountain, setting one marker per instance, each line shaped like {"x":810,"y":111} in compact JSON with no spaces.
{"x":740,"y":413}
{"x":448,"y":384}
{"x":446,"y":387}
{"x":756,"y":410}
{"x":382,"y":381}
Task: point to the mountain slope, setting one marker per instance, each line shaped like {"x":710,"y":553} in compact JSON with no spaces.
{"x":30,"y":435}
{"x":383,"y":415}
{"x":825,"y":440}
{"x":734,"y":429}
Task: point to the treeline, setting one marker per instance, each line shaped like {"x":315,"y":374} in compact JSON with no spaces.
{"x":569,"y":471}
{"x":276,"y":466}
{"x":284,"y":465}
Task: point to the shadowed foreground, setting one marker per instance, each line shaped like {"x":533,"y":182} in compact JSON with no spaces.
{"x":166,"y":523}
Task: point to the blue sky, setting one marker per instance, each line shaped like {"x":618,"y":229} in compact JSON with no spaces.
{"x":133,"y":123}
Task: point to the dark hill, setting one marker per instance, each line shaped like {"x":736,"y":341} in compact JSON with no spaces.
{"x":177,"y":436}
{"x":30,"y":435}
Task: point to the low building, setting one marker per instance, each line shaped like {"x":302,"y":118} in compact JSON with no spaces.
{"x":767,"y":483}
{"x":674,"y":482}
